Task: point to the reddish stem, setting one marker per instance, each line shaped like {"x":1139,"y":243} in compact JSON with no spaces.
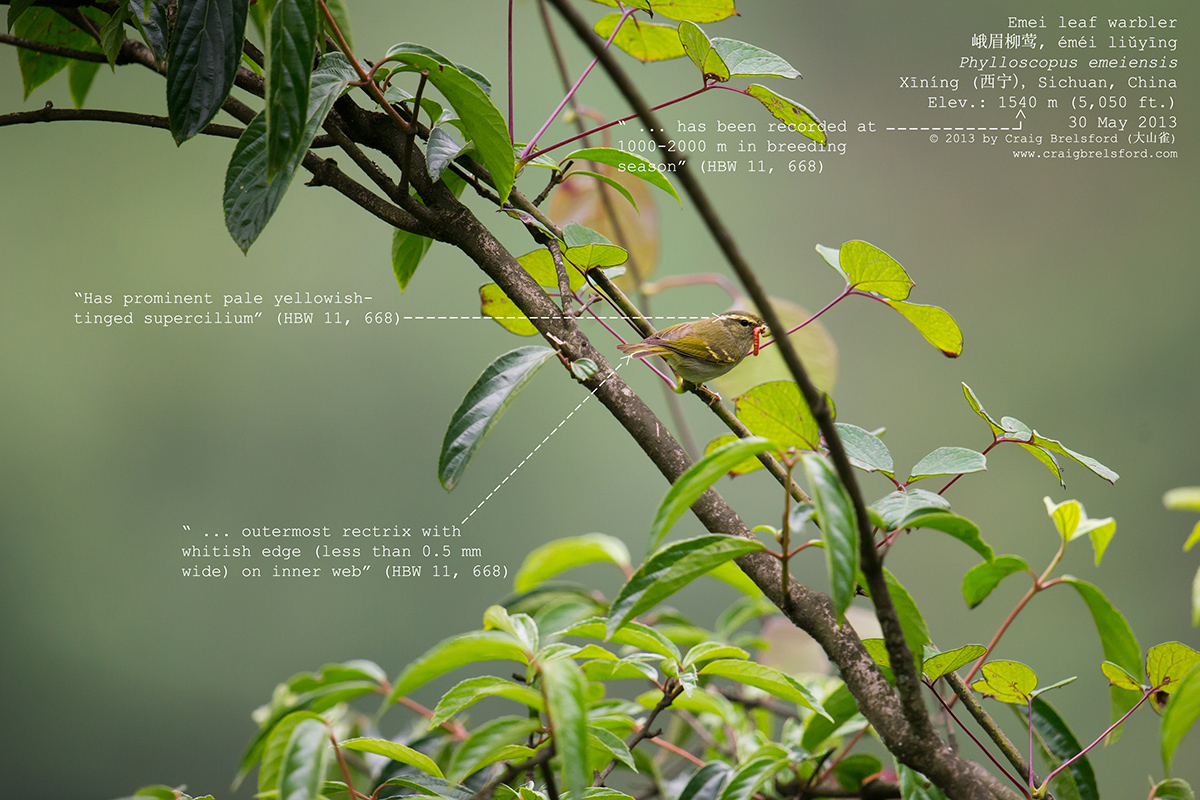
{"x":845,"y":293}
{"x":510,"y":72}
{"x":978,"y":743}
{"x":1099,"y":738}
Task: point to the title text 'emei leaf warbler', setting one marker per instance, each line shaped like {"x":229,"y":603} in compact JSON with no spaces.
{"x":704,"y":349}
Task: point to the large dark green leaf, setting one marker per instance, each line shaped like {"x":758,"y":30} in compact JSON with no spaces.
{"x":291,"y":45}
{"x":839,"y":528}
{"x":205,"y":50}
{"x":15,"y":9}
{"x":302,"y":769}
{"x":672,"y":568}
{"x":565,"y":690}
{"x":46,"y":25}
{"x":1119,"y":644}
{"x":483,"y":407}
{"x":480,"y":120}
{"x":484,"y":740}
{"x":755,"y":771}
{"x":696,"y":481}
{"x":151,"y":19}
{"x":1181,"y":714}
{"x":1060,"y":745}
{"x":250,"y":199}
{"x":706,"y":782}
{"x":839,"y":706}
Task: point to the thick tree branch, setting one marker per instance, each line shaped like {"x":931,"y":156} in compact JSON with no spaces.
{"x":49,"y":113}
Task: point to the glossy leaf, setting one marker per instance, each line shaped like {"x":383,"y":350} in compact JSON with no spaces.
{"x":746,"y":60}
{"x":869,"y":269}
{"x":1006,"y":681}
{"x":150,"y":17}
{"x":627,"y":163}
{"x":839,"y":707}
{"x":494,"y":303}
{"x":706,"y":783}
{"x":1072,"y":522}
{"x":777,"y":411}
{"x":631,"y":633}
{"x":672,"y":568}
{"x":749,"y":465}
{"x":698,"y":478}
{"x":1172,"y":789}
{"x":341,"y":15}
{"x":291,"y":45}
{"x":934,"y":323}
{"x":979,"y":581}
{"x":948,"y":461}
{"x":753,"y":773}
{"x":481,"y":121}
{"x":839,"y":529}
{"x":1118,"y":642}
{"x":491,"y":736}
{"x":1061,"y":745}
{"x":561,"y":555}
{"x":865,"y":450}
{"x":763,"y":677}
{"x":440,"y":150}
{"x":1055,"y":446}
{"x":645,"y":41}
{"x":915,"y":786}
{"x":709,"y":651}
{"x":484,"y":405}
{"x":1168,"y":663}
{"x":912,"y":623}
{"x":205,"y":50}
{"x":944,"y":663}
{"x":788,"y":111}
{"x":852,"y":771}
{"x":302,"y":769}
{"x":699,"y":49}
{"x":1180,"y":716}
{"x":960,"y":528}
{"x":455,"y":652}
{"x":45,"y":25}
{"x":250,"y":199}
{"x":1119,"y":677}
{"x":272,"y":757}
{"x":905,"y":504}
{"x":565,"y":690}
{"x":395,"y":751}
{"x":407,"y":251}
{"x":610,"y":745}
{"x":471,"y":691}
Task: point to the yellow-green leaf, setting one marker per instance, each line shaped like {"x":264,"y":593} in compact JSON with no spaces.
{"x":796,"y":116}
{"x":645,"y":41}
{"x":934,"y":323}
{"x":496,"y":304}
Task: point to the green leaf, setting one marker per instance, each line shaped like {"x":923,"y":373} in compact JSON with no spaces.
{"x":540,"y":266}
{"x":979,"y":581}
{"x":1183,"y":498}
{"x":484,"y":405}
{"x":485,"y":740}
{"x":695,"y":10}
{"x":1191,"y":540}
{"x":469,"y":692}
{"x":706,"y":782}
{"x":754,"y":772}
{"x":945,"y":663}
{"x":481,"y":121}
{"x":672,"y":568}
{"x":1118,"y":642}
{"x":302,"y":769}
{"x":934,"y":323}
{"x":1055,"y":446}
{"x":341,"y":15}
{"x":697,"y":480}
{"x":708,"y":651}
{"x":905,"y":504}
{"x":112,"y":34}
{"x":977,"y":407}
{"x":777,"y":411}
{"x":645,"y":41}
{"x":440,"y":150}
{"x":628,"y":163}
{"x":407,"y":251}
{"x":700,"y":50}
{"x":1119,"y":677}
{"x":1055,"y":685}
{"x":854,"y":769}
{"x":15,"y":9}
{"x":272,"y":758}
{"x":749,"y":465}
{"x":948,"y":461}
{"x":1172,"y":789}
{"x":865,"y":450}
{"x":789,"y":112}
{"x":205,"y":50}
{"x":732,"y":574}
{"x":912,"y":623}
{"x":1183,"y":708}
{"x":80,"y":75}
{"x":915,"y":786}
{"x":250,"y":199}
{"x":610,"y":745}
{"x":633,"y":634}
{"x":960,"y":528}
{"x":395,"y":751}
{"x":746,"y":60}
{"x":1060,"y":743}
{"x":291,"y":44}
{"x":610,"y":181}
{"x":565,"y":690}
{"x":839,"y":707}
{"x":1167,"y":663}
{"x":765,"y":678}
{"x":869,"y":269}
{"x":493,"y":302}
{"x":150,"y":17}
{"x":1007,"y":681}
{"x":455,"y":652}
{"x":561,"y":555}
{"x":45,"y":25}
{"x":839,"y":529}
{"x":1196,"y":595}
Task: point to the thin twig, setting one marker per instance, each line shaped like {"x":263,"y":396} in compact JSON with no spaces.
{"x":49,"y":113}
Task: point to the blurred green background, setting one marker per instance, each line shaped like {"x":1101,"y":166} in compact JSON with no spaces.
{"x":1075,"y":283}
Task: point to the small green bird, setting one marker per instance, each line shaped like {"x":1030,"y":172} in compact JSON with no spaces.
{"x":704,"y":349}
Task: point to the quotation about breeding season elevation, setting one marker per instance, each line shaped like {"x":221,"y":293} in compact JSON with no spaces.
{"x":326,"y":552}
{"x":1054,"y":86}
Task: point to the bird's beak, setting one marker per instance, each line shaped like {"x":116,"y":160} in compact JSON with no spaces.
{"x":757,"y":334}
